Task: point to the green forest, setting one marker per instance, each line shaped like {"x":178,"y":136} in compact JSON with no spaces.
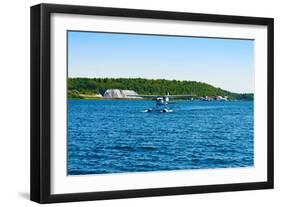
{"x":79,"y":88}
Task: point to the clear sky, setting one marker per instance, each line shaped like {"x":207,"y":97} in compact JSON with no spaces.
{"x":224,"y":63}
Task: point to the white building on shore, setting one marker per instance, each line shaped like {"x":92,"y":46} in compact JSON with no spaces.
{"x":118,"y":93}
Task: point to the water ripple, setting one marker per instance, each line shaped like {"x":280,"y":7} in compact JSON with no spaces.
{"x":114,"y":136}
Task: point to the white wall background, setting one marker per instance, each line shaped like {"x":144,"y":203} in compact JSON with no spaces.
{"x":14,"y":101}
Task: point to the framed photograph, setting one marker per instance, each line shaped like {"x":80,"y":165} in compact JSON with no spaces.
{"x":133,"y":103}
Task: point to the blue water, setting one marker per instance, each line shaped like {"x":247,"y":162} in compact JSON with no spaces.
{"x":113,"y":136}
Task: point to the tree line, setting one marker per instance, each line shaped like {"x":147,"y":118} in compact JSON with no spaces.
{"x":78,"y":86}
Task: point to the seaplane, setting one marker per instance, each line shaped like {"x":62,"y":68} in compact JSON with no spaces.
{"x":163,"y":101}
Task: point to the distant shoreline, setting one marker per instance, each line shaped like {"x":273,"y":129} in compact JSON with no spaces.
{"x":130,"y":99}
{"x":95,"y":88}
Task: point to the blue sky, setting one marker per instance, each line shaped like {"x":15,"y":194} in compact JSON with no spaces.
{"x":224,"y":63}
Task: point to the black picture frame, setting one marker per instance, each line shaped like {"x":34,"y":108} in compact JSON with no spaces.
{"x":40,"y":184}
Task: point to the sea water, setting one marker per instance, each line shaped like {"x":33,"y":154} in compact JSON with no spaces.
{"x":115,"y":136}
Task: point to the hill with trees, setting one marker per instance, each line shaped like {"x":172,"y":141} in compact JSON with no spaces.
{"x":79,"y":87}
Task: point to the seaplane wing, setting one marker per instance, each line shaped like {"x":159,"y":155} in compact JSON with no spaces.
{"x":149,"y":96}
{"x":146,"y":96}
{"x":168,"y":96}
